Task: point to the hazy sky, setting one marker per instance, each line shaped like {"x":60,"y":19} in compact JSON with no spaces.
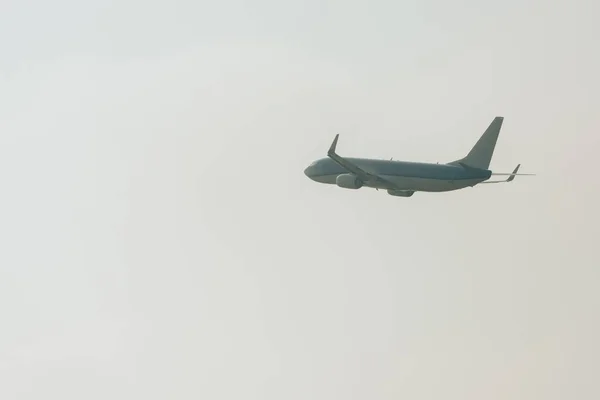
{"x":160,"y":240}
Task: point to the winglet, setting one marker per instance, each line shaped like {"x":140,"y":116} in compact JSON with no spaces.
{"x":512,"y":176}
{"x":333,"y":145}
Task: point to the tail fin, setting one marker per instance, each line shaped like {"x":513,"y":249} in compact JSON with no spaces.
{"x":481,"y":154}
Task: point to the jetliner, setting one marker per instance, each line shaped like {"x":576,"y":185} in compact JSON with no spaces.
{"x":403,"y":178}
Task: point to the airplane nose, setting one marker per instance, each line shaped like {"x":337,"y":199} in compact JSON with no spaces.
{"x":310,"y":171}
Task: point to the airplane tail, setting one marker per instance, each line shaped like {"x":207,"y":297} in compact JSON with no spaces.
{"x":481,"y":154}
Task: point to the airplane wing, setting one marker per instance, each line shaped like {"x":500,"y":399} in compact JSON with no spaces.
{"x":356,"y":170}
{"x":510,"y":178}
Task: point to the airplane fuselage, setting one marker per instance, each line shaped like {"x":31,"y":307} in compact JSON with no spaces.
{"x":404,"y":178}
{"x":409,"y":176}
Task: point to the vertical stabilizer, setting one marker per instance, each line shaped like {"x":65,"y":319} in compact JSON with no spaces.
{"x":481,"y":154}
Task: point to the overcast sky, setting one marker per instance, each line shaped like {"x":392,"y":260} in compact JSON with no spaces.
{"x":159,"y":239}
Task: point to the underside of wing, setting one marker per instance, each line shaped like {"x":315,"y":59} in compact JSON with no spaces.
{"x":503,"y":181}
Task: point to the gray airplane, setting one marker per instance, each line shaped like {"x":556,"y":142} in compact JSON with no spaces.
{"x":402,"y":178}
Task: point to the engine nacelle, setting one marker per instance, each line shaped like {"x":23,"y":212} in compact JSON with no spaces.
{"x":348,"y":181}
{"x":400,"y":193}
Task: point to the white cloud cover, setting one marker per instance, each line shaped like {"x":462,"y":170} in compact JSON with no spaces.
{"x":160,"y":239}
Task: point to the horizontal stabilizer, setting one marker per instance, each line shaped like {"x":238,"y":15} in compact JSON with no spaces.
{"x":511,"y":176}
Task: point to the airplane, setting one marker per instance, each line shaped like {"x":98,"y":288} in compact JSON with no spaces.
{"x":404,"y":178}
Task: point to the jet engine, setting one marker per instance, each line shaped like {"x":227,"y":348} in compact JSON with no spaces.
{"x":348,"y":181}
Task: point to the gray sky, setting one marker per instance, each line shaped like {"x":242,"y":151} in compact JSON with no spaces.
{"x":161,"y":241}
